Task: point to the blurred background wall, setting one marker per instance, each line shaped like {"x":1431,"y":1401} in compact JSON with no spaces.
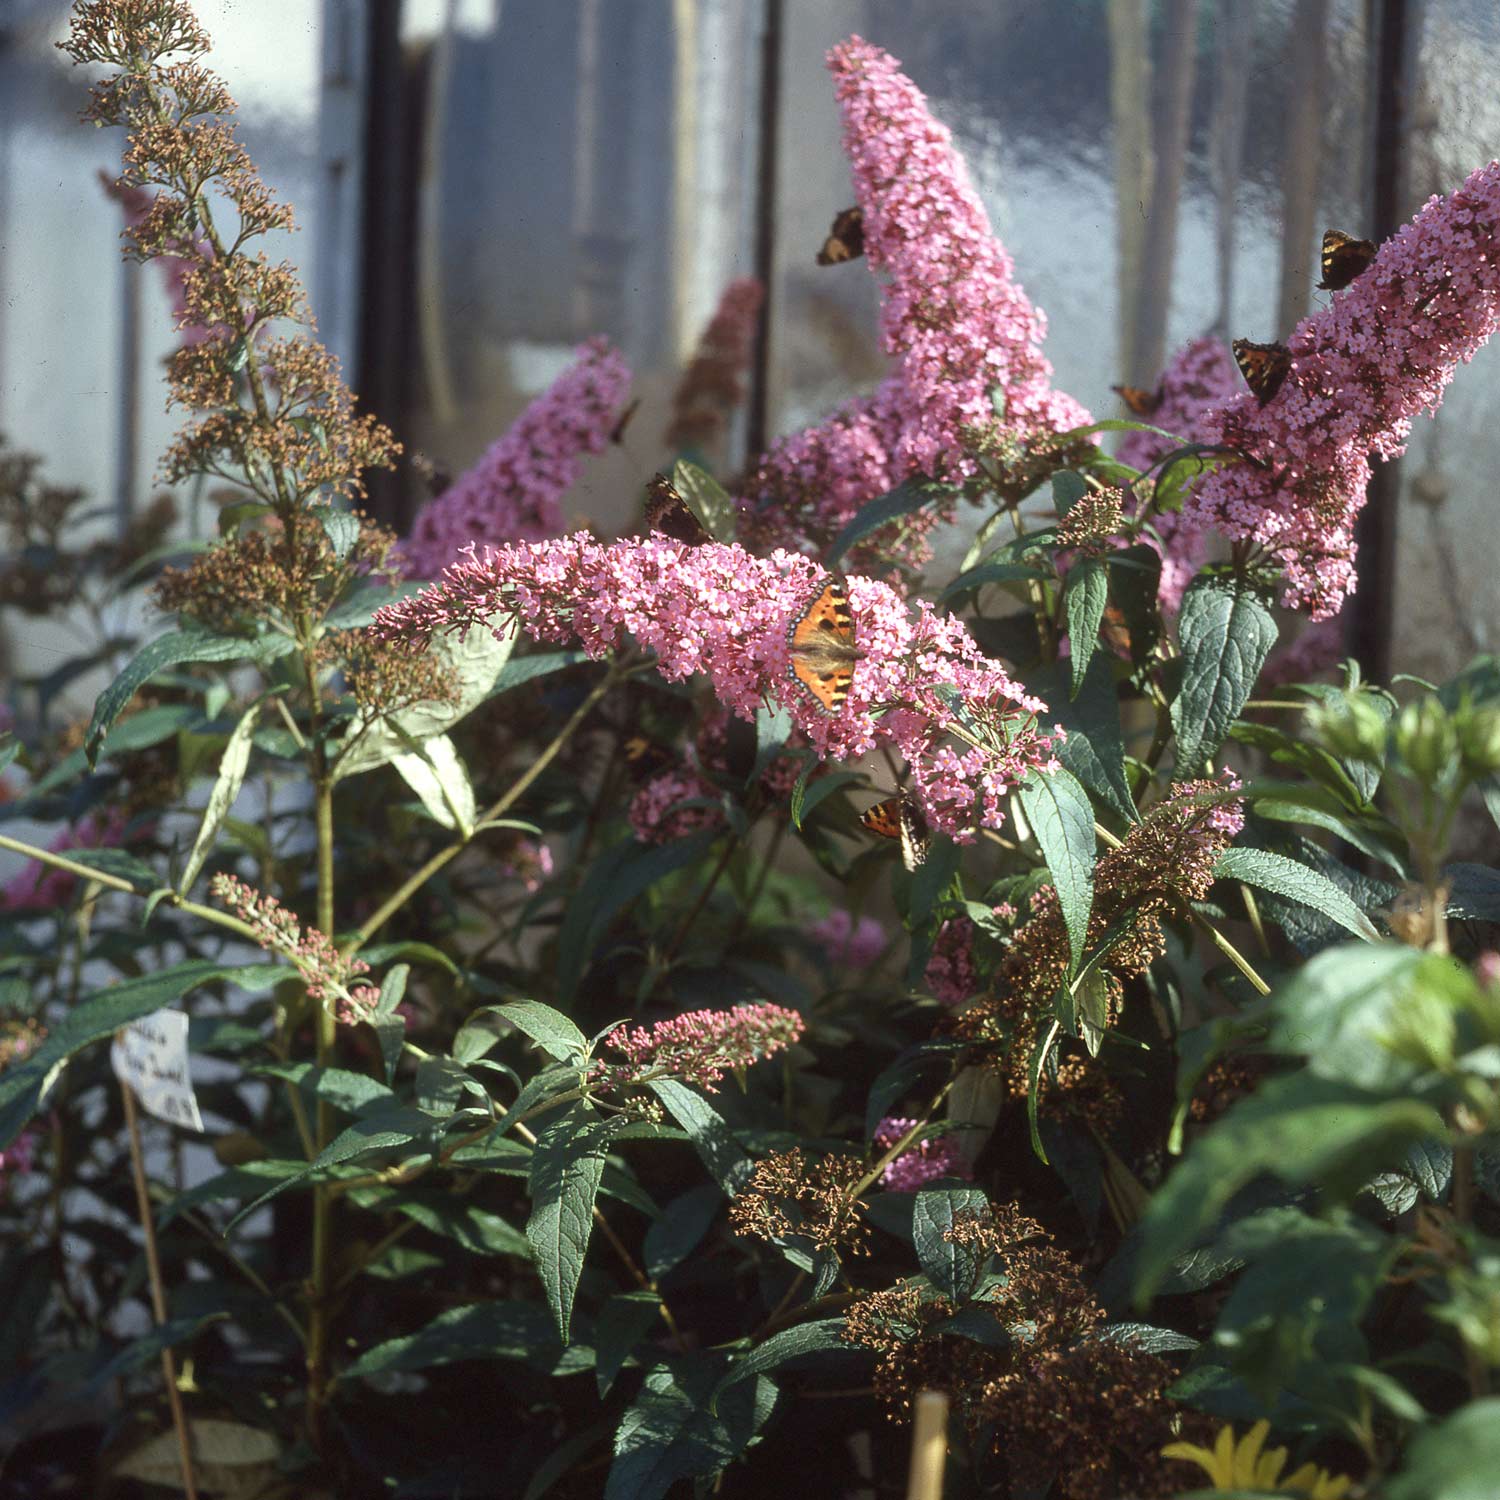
{"x":481,"y":184}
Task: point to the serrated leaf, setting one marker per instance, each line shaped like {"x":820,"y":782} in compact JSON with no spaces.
{"x":624,"y":1321}
{"x":952,"y":1268}
{"x":550,"y":1029}
{"x":901,"y":501}
{"x":487,"y":1330}
{"x":669,"y":1433}
{"x":677,"y":1233}
{"x":1062,"y":818}
{"x":26,"y":1080}
{"x":170,"y":650}
{"x":341,"y":527}
{"x":1454,"y":1459}
{"x":1085,"y":593}
{"x":728,"y":1164}
{"x":1296,"y":882}
{"x":1094,"y":749}
{"x":565,"y":1173}
{"x":806,"y":795}
{"x":1226,"y":632}
{"x":390,"y":1028}
{"x":529,"y":668}
{"x":790,"y":1343}
{"x":232,"y":767}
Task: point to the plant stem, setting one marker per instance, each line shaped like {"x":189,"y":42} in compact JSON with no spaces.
{"x":322,"y":1249}
{"x":158,"y":1296}
{"x":906,"y":1139}
{"x":686,"y":925}
{"x":1232,"y":953}
{"x":413,"y":883}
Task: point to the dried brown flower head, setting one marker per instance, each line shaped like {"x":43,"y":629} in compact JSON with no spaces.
{"x":787,"y":1195}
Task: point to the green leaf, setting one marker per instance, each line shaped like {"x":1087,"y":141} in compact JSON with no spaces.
{"x":952,"y":1268}
{"x":708,"y":500}
{"x":720,"y":1152}
{"x":1298,"y":1127}
{"x":1226,"y":631}
{"x":438,"y":1211}
{"x":433,"y":770}
{"x":669,"y":1433}
{"x":1068,"y":488}
{"x":1037,"y":1061}
{"x":376,"y":1132}
{"x":1296,"y":882}
{"x":905,"y":498}
{"x":390,"y":1028}
{"x":565,"y":1173}
{"x":807,"y":795}
{"x":677,"y":1233}
{"x":341,"y":528}
{"x":1062,"y":818}
{"x":617,"y":877}
{"x":1341,"y":1009}
{"x":550,"y":1029}
{"x":514,"y":673}
{"x":170,"y":650}
{"x":25,"y":1083}
{"x":624,"y":1321}
{"x":1085,"y":593}
{"x":989,"y":572}
{"x":790,"y":1343}
{"x":473,"y":661}
{"x":120,"y":863}
{"x":1146,"y":1338}
{"x":1094,"y":750}
{"x":486,"y":1330}
{"x":232,"y":767}
{"x":1456,"y":1459}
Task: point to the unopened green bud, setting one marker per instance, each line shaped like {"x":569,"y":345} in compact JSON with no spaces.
{"x":1425,"y":739}
{"x":1352,"y":728}
{"x":1478,"y":732}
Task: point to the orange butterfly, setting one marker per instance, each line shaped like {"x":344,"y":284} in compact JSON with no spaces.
{"x":899,"y":818}
{"x":1264,"y":366}
{"x":667,"y":512}
{"x":1344,"y":258}
{"x":846,"y":240}
{"x":821,"y":641}
{"x":1143,"y":403}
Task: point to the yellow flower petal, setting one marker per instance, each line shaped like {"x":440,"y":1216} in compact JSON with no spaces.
{"x":1223,"y":1472}
{"x":1268,"y":1470}
{"x":1318,"y":1484}
{"x":1243,"y":1471}
{"x":1191,"y":1453}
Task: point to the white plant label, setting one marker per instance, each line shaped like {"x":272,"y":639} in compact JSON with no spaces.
{"x":150,"y":1057}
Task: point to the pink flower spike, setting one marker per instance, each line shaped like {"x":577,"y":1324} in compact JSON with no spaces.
{"x":926,"y":1161}
{"x":967,"y":730}
{"x":953,"y":314}
{"x":1362,"y":368}
{"x":701,"y":1046}
{"x":512,"y":493}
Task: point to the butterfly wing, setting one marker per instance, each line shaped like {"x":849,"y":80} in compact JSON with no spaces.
{"x":1344,"y":259}
{"x":821,"y":644}
{"x":884,"y":819}
{"x":846,"y":240}
{"x":1142,"y":402}
{"x":617,"y":432}
{"x":667,"y":513}
{"x":1264,"y":366}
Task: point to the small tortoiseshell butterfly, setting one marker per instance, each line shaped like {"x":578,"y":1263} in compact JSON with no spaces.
{"x":668,"y":513}
{"x":643,"y":757}
{"x":617,"y":432}
{"x":899,"y":818}
{"x":1142,"y":402}
{"x":846,"y":240}
{"x":821,"y":641}
{"x":1264,"y":366}
{"x":1344,"y":258}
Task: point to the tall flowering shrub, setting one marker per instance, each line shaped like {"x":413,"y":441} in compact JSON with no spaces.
{"x":556,"y":1139}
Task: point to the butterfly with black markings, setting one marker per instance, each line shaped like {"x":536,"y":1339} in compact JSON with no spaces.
{"x":1344,"y":259}
{"x":1264,"y":366}
{"x":900,"y":818}
{"x":644,"y":757}
{"x":846,"y":240}
{"x":1142,"y":402}
{"x":667,"y":513}
{"x":822,"y":647}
